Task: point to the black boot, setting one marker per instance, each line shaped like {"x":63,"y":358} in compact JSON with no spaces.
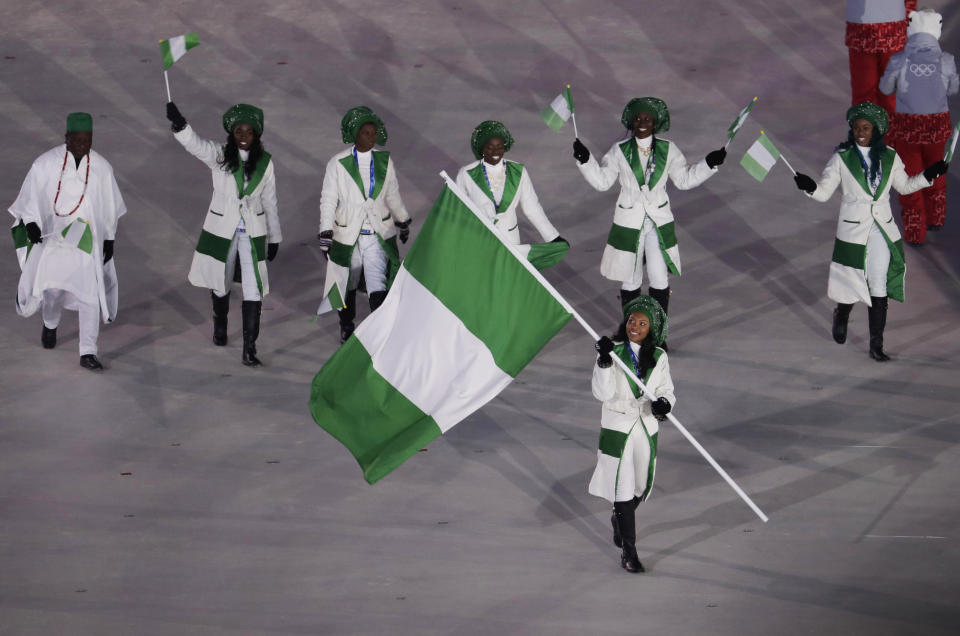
{"x":251,"y":330}
{"x":877,"y":314}
{"x":623,"y":512}
{"x":626,"y":295}
{"x":662,"y":296}
{"x":48,"y":338}
{"x":376,"y":299}
{"x":221,"y":306}
{"x":347,"y":314}
{"x":617,"y":541}
{"x":840,"y":316}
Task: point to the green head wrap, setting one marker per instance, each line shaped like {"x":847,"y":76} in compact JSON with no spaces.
{"x":485,"y":132}
{"x":652,"y":310}
{"x":874,"y":114}
{"x":357,"y":117}
{"x":243,"y":114}
{"x":653,"y":105}
{"x":79,"y":122}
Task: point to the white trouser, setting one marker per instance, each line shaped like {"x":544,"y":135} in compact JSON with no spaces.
{"x":369,"y":257}
{"x":240,"y":246}
{"x":89,"y":318}
{"x":878,"y":261}
{"x":649,"y":250}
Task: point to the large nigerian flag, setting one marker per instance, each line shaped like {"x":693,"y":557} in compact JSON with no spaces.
{"x":463,"y":317}
{"x":760,"y":157}
{"x":175,"y":48}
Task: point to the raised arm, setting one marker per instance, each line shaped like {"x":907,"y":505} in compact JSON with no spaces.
{"x":601,"y":175}
{"x":686,"y":176}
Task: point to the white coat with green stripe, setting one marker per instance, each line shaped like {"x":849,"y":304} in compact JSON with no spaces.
{"x":257,"y":207}
{"x":627,"y":454}
{"x":641,"y":199}
{"x":859,"y":210}
{"x":517,"y":192}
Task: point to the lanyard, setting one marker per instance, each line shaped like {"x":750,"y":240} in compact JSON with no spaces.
{"x":873,"y":183}
{"x":636,"y":362}
{"x":373,"y":177}
{"x":490,"y":187}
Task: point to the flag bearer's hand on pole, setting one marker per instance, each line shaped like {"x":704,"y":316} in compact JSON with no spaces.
{"x":660,"y":407}
{"x":580,"y":152}
{"x":716,"y":157}
{"x":604,"y":346}
{"x":805,"y":183}
{"x":177,"y":122}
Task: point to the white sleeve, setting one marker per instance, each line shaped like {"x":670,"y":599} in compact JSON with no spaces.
{"x":829,"y":180}
{"x":684,"y":176}
{"x":391,"y":195}
{"x":533,"y":210}
{"x":904,"y":184}
{"x":604,"y":174}
{"x":604,"y":382}
{"x":268,"y":200}
{"x":329,"y":196}
{"x":665,"y":388}
{"x":203,"y":149}
{"x":26,"y":207}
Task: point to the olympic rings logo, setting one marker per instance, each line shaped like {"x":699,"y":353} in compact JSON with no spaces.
{"x":923,"y":70}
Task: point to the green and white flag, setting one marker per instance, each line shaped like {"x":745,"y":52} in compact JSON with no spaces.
{"x":79,"y":235}
{"x":739,"y":121}
{"x":463,"y":317}
{"x":559,"y":111}
{"x":21,"y":243}
{"x":952,"y":144}
{"x":760,"y":157}
{"x":175,"y":48}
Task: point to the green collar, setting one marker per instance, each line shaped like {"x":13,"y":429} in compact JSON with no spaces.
{"x":514,"y":172}
{"x":851,"y":158}
{"x":254,"y":178}
{"x":632,"y":154}
{"x":380,"y":160}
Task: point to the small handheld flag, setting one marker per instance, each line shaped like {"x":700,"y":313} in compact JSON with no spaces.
{"x":175,"y":48}
{"x":760,"y":157}
{"x":952,"y":144}
{"x":739,"y":121}
{"x":559,"y":111}
{"x":172,"y":50}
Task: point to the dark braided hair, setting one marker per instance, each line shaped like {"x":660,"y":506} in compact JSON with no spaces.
{"x":231,"y":156}
{"x":877,"y":148}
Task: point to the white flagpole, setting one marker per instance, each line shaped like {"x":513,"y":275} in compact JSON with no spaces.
{"x":787,"y":163}
{"x":573,"y":116}
{"x":593,"y":334}
{"x":166,"y":81}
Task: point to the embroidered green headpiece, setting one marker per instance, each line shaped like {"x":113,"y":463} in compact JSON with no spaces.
{"x":874,"y":114}
{"x":243,"y":114}
{"x":357,"y":117}
{"x":487,"y":131}
{"x":79,"y":122}
{"x":652,"y":310}
{"x":653,"y":105}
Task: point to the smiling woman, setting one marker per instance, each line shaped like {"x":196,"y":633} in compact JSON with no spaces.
{"x":241,"y":223}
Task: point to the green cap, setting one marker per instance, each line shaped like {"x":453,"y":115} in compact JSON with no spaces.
{"x":651,"y":308}
{"x":653,"y":105}
{"x":243,"y":114}
{"x":79,"y":122}
{"x":355,"y":118}
{"x":485,"y":132}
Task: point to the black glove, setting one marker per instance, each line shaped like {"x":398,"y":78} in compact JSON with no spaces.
{"x":107,"y":251}
{"x":660,"y":408}
{"x":935,"y":170}
{"x":560,"y":239}
{"x":604,"y":346}
{"x":404,"y":227}
{"x":326,"y":241}
{"x":716,"y":157}
{"x":177,"y":122}
{"x":580,"y":152}
{"x":34,"y":233}
{"x":272,"y":249}
{"x":805,"y":183}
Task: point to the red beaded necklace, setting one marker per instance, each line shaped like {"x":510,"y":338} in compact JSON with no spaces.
{"x":86,"y":180}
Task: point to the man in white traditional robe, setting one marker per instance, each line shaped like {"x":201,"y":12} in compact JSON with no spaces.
{"x":65,"y":221}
